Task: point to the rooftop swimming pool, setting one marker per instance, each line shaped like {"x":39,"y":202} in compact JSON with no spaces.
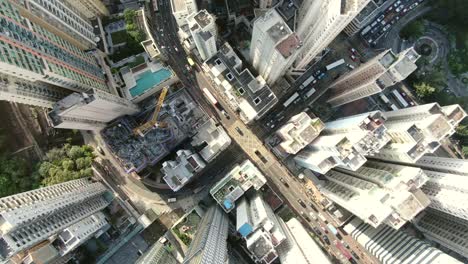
{"x":148,"y":80}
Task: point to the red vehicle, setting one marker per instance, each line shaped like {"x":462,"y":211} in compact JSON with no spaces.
{"x":343,"y":250}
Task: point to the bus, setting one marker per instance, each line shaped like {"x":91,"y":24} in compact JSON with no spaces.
{"x":335,"y":64}
{"x":310,"y":93}
{"x":400,"y":98}
{"x":307,"y":82}
{"x":291,"y":99}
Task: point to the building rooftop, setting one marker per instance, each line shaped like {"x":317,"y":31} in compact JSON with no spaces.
{"x":253,"y":96}
{"x":236,"y":182}
{"x":179,"y":172}
{"x":214,"y":139}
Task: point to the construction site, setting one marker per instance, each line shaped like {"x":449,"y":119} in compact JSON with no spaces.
{"x":146,"y":138}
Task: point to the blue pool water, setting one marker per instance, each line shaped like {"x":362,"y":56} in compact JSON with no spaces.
{"x":148,"y":80}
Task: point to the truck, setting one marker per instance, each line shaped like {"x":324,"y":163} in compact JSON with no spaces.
{"x":215,"y":103}
{"x":307,"y":82}
{"x":335,"y":64}
{"x":291,"y":99}
{"x":310,"y":93}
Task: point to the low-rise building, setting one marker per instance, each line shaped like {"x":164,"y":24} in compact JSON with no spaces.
{"x":237,"y":181}
{"x":248,"y":95}
{"x":181,"y":171}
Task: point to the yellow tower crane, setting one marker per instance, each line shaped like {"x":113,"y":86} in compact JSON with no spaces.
{"x":153,"y":122}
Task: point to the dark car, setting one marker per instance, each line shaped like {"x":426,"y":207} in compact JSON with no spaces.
{"x":326,"y":240}
{"x":301,"y":203}
{"x":313,"y":207}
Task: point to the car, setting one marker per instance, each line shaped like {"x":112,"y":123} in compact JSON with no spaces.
{"x":284,"y":182}
{"x":353,"y":57}
{"x":326,"y":240}
{"x":355,"y":255}
{"x":313,"y":207}
{"x":239,"y":131}
{"x":301,"y":203}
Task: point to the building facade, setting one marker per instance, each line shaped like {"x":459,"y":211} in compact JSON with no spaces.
{"x":374,"y":76}
{"x":209,"y":246}
{"x":319,"y":22}
{"x":392,"y":246}
{"x":90,"y":111}
{"x":274,"y":46}
{"x":31,"y":217}
{"x":204,"y":32}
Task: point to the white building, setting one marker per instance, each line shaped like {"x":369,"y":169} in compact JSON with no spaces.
{"x":418,"y":130}
{"x":22,"y":91}
{"x":236,"y":182}
{"x":298,"y":132}
{"x":181,"y":171}
{"x":89,"y":8}
{"x":299,"y":247}
{"x":31,"y":217}
{"x":274,"y":46}
{"x":75,"y":235}
{"x":392,"y":246}
{"x":384,"y":70}
{"x":90,"y":111}
{"x":320,"y":21}
{"x":260,"y":228}
{"x":64,"y":17}
{"x":213,"y":137}
{"x":248,"y":95}
{"x":209,"y":245}
{"x":378,"y":193}
{"x":181,"y":9}
{"x":204,"y":32}
{"x":447,"y":230}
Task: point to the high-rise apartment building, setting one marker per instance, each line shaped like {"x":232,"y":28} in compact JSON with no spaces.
{"x":320,"y":21}
{"x":89,"y":8}
{"x":90,"y":111}
{"x":378,"y":192}
{"x":392,"y":246}
{"x":344,"y":143}
{"x":374,"y":76}
{"x":31,"y":217}
{"x":209,"y":246}
{"x":418,"y":130}
{"x":181,"y":9}
{"x":447,"y":230}
{"x":14,"y":89}
{"x":204,"y":32}
{"x":274,"y":46}
{"x":298,"y":132}
{"x":61,"y":18}
{"x":30,"y":49}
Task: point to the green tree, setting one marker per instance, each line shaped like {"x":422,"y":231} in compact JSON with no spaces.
{"x":415,"y":29}
{"x":65,"y":164}
{"x":424,"y":89}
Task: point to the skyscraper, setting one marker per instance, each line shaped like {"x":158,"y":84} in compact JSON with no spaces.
{"x":392,"y":246}
{"x":320,"y":21}
{"x":32,"y":217}
{"x":274,"y":46}
{"x":90,"y":111}
{"x":209,"y":246}
{"x":89,"y":8}
{"x":378,"y":192}
{"x":33,"y":50}
{"x":203,"y":29}
{"x":374,"y":76}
